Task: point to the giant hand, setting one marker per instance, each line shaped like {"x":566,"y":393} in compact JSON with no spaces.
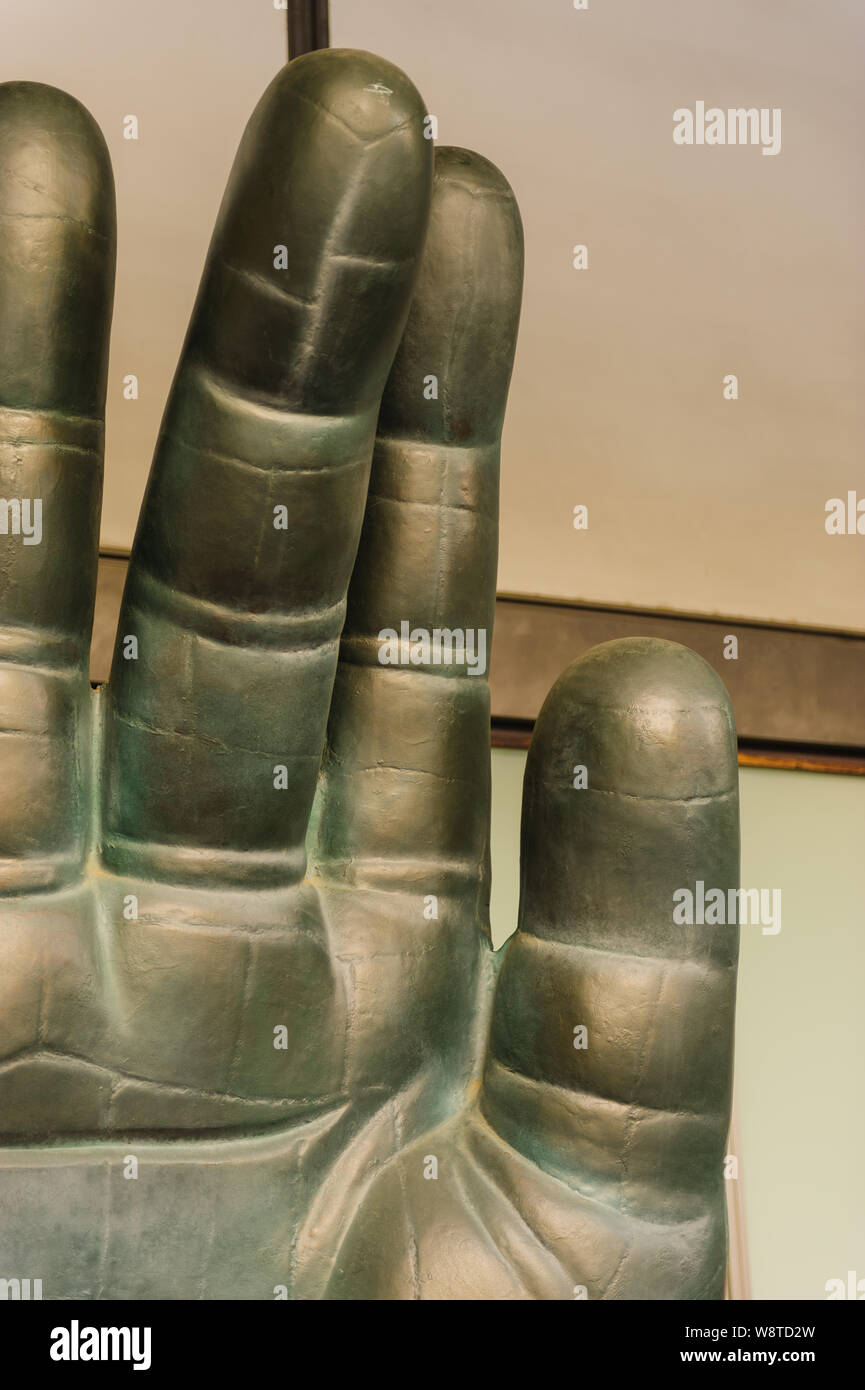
{"x":244,"y":947}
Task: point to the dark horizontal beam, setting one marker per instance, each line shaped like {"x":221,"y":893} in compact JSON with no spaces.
{"x":794,"y":689}
{"x":798,"y":694}
{"x":793,"y":759}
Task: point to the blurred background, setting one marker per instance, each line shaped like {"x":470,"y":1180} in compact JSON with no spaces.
{"x":702,"y":262}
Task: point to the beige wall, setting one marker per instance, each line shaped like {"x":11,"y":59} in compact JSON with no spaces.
{"x":702,"y":261}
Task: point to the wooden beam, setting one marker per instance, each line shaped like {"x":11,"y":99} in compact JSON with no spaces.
{"x":796,"y":689}
{"x":798,"y":693}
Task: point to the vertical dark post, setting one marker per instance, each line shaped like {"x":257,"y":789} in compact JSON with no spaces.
{"x":308,"y":26}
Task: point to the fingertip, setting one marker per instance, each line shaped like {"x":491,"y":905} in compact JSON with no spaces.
{"x":631,"y":793}
{"x":56,"y":252}
{"x":369,"y":95}
{"x":315,"y":252}
{"x":450,"y":379}
{"x":467,"y":168}
{"x":646,"y":716}
{"x":53,"y":158}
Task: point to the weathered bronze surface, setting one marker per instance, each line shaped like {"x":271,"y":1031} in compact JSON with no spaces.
{"x":253,"y":1040}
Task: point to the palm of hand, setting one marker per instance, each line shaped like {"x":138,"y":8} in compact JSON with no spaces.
{"x":244,"y":1026}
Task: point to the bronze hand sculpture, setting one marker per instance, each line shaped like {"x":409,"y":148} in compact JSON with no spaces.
{"x":253,"y":1043}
